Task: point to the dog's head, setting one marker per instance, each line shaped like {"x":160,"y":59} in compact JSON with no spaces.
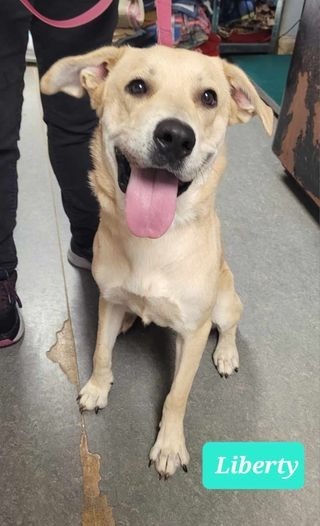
{"x":164,"y":113}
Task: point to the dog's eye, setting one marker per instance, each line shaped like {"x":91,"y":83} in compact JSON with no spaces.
{"x":209,"y":98}
{"x":137,"y":87}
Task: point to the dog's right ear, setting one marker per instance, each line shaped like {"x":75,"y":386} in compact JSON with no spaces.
{"x":73,"y":75}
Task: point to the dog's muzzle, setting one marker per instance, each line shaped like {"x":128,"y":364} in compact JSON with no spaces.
{"x":151,"y":192}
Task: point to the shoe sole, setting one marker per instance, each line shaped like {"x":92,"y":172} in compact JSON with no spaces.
{"x":19,"y":335}
{"x":78,"y":261}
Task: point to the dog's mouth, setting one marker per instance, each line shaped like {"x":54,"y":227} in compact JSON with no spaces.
{"x":150,"y":197}
{"x":124,"y":172}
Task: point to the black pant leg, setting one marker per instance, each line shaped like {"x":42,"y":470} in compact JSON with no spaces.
{"x":14,"y":24}
{"x":71,"y":121}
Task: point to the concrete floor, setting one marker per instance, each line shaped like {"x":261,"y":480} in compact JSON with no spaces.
{"x":271,"y":242}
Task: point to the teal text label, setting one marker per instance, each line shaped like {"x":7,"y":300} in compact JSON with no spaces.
{"x":253,"y":465}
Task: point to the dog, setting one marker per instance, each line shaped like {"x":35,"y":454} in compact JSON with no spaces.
{"x":158,"y":155}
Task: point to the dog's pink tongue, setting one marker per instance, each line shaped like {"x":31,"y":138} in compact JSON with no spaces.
{"x":150,"y":202}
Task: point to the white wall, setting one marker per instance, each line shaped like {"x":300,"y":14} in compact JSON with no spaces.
{"x":291,"y":13}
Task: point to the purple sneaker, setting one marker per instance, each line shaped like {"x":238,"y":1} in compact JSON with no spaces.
{"x":11,"y":321}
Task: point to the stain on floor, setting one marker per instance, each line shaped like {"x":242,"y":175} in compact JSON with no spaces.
{"x":96,"y":510}
{"x":64,"y":354}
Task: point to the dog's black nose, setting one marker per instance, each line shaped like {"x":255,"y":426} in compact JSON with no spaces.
{"x":174,"y":139}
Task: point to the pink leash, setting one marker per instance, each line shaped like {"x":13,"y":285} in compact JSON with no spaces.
{"x":163,"y":8}
{"x":77,"y":21}
{"x":164,"y":28}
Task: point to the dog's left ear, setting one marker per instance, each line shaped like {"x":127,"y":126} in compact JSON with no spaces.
{"x":75,"y":75}
{"x":245,"y":101}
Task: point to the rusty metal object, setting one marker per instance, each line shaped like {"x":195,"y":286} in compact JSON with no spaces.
{"x":297,"y":138}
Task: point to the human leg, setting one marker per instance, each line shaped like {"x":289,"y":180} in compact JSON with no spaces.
{"x":71,"y":122}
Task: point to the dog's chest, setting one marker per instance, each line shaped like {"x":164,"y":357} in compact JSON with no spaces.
{"x":165,"y":284}
{"x":149,"y":299}
{"x":159,"y":310}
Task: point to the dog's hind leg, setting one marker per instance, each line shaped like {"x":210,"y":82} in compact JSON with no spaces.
{"x":226,"y":315}
{"x":94,"y":395}
{"x":169,"y":450}
{"x":128,"y":321}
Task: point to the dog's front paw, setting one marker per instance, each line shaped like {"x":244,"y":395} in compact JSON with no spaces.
{"x":93,"y":396}
{"x":169,"y":452}
{"x":226,"y":359}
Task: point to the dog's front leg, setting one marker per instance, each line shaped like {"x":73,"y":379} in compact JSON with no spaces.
{"x":169,"y":450}
{"x":94,"y":395}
